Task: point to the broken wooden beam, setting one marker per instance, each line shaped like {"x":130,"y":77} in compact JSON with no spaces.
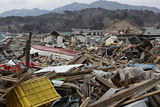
{"x":7,"y":78}
{"x":104,"y":82}
{"x":125,"y":93}
{"x":85,"y":102}
{"x":140,"y":98}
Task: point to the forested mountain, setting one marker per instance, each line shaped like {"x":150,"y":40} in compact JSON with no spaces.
{"x":96,"y":18}
{"x":109,"y":5}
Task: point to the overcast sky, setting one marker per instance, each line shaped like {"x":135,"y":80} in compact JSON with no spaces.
{"x":52,"y":4}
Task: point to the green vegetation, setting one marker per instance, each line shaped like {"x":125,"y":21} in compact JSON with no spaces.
{"x":88,"y":18}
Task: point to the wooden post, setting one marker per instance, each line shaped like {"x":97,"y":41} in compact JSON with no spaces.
{"x":86,"y":86}
{"x":127,"y":80}
{"x":28,"y":48}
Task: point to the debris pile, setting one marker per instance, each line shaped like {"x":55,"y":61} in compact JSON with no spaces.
{"x":100,"y":72}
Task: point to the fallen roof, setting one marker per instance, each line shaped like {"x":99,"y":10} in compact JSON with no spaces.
{"x":47,"y":51}
{"x":59,"y":69}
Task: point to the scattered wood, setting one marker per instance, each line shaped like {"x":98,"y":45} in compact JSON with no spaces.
{"x":50,"y":74}
{"x":23,"y":78}
{"x":85,"y":102}
{"x":6,"y":78}
{"x":140,"y":98}
{"x":123,"y":94}
{"x":105,"y":83}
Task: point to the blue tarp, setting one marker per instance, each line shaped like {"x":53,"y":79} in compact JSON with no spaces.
{"x":144,"y":66}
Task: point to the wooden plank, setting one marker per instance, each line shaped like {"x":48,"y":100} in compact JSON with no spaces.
{"x":140,"y":98}
{"x":85,"y":102}
{"x":11,"y":75}
{"x":50,"y":74}
{"x":3,"y":90}
{"x":18,"y":82}
{"x":145,"y":88}
{"x":104,"y":82}
{"x":81,"y":60}
{"x":72,"y":61}
{"x":7,"y":78}
{"x":98,"y":59}
{"x":96,"y":64}
{"x":107,"y":68}
{"x":124,"y":93}
{"x":71,"y":85}
{"x":116,"y":104}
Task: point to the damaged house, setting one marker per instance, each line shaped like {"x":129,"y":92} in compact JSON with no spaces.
{"x":50,"y":37}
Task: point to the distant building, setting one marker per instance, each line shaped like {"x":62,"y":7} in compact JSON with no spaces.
{"x":152,"y":32}
{"x":50,"y":37}
{"x":96,"y":33}
{"x":87,"y":32}
{"x":10,"y":35}
{"x":149,"y":28}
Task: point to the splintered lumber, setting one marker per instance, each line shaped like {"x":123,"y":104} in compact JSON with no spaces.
{"x":50,"y":74}
{"x":73,"y":78}
{"x":98,"y":59}
{"x":125,"y":93}
{"x":81,"y":60}
{"x":104,"y":82}
{"x":68,"y":74}
{"x":2,"y":98}
{"x":140,"y":98}
{"x":71,"y":85}
{"x":96,"y":64}
{"x":3,"y":90}
{"x":116,"y":104}
{"x":85,"y":102}
{"x":72,"y":61}
{"x":7,"y":78}
{"x":145,"y":88}
{"x":107,"y":68}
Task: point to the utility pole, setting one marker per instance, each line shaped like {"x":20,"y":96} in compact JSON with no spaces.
{"x":28,"y":48}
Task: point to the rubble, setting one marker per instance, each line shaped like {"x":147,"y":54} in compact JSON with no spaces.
{"x":114,"y":72}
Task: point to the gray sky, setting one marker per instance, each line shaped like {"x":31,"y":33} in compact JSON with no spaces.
{"x":51,"y":4}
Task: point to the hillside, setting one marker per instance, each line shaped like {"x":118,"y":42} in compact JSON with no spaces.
{"x":24,"y":12}
{"x":88,"y":18}
{"x":110,"y":5}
